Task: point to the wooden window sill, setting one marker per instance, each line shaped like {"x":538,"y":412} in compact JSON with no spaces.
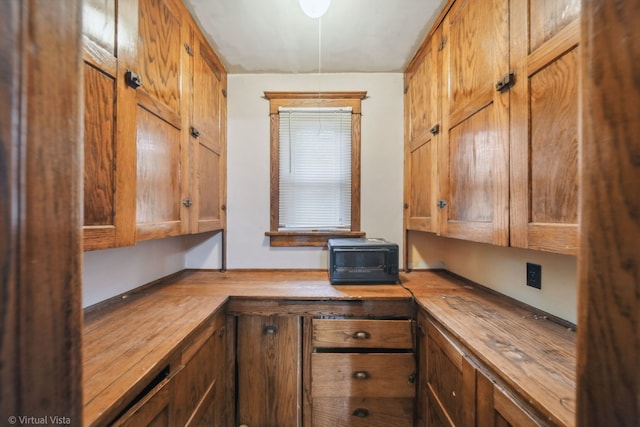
{"x":307,"y":238}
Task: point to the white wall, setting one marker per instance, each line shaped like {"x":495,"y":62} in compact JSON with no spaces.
{"x":503,"y":269}
{"x":110,"y":272}
{"x":248,"y":204}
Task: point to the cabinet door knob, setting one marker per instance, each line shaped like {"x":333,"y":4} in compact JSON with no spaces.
{"x":442,"y":203}
{"x":360,"y":412}
{"x":361,"y":335}
{"x":195,"y":132}
{"x":187,"y":202}
{"x":361,"y":375}
{"x":435,"y":130}
{"x":270,"y":330}
{"x":133,"y":79}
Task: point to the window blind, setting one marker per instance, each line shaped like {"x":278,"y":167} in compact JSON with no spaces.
{"x":315,"y":169}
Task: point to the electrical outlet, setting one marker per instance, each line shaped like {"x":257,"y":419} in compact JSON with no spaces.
{"x":534,"y":275}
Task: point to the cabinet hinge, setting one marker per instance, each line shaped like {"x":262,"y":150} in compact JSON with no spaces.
{"x":443,"y":42}
{"x":224,"y":93}
{"x":188,"y":48}
{"x":406,"y":89}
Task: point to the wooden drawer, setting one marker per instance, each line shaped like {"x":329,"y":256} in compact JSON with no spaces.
{"x":359,"y":333}
{"x":361,"y":412}
{"x":362,"y":375}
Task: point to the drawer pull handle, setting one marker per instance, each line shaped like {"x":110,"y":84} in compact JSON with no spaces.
{"x":360,"y":412}
{"x":361,"y":335}
{"x":361,"y":375}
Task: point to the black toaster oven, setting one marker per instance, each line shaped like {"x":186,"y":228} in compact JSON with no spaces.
{"x":362,"y":261}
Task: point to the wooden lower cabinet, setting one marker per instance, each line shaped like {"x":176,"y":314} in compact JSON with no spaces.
{"x":190,"y":390}
{"x":202,"y":379}
{"x":453,"y":390}
{"x":362,"y":373}
{"x":269,"y":377}
{"x":153,"y":410}
{"x":496,"y":407}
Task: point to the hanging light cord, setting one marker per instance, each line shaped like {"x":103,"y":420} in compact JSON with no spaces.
{"x":319,"y":69}
{"x":320,"y":45}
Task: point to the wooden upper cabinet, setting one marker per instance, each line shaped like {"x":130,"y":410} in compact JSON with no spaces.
{"x":474,"y":160}
{"x":423,"y":133}
{"x":507,"y":142}
{"x":206,"y":130}
{"x":544,"y":125}
{"x":162,"y":205}
{"x":109,"y":49}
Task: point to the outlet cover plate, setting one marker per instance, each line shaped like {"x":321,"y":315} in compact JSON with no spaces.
{"x":534,"y":275}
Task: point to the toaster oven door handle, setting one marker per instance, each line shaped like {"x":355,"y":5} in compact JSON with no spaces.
{"x":361,"y":250}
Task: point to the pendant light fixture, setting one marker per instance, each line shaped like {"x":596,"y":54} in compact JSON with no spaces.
{"x":314,"y":8}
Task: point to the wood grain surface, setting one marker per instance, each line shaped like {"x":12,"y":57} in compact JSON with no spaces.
{"x":530,"y":354}
{"x":109,"y":123}
{"x":609,"y":260}
{"x":40,"y":210}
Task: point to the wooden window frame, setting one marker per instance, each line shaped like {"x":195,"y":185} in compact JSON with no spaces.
{"x":313,"y":99}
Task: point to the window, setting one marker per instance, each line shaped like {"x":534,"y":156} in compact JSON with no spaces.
{"x":315,"y":167}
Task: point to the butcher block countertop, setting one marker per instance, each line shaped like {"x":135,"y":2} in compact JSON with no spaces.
{"x":530,"y":353}
{"x":128,"y":340}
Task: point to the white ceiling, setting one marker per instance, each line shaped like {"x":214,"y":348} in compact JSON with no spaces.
{"x":275,"y":36}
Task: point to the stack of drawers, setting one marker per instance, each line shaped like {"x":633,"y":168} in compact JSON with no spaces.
{"x":363,"y":373}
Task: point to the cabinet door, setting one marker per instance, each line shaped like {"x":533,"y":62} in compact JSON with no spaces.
{"x":154,"y":409}
{"x":450,"y":382}
{"x":207,"y":139}
{"x":544,"y":124}
{"x":474,"y":159}
{"x":109,"y":49}
{"x":423,"y":134}
{"x":161,"y":154}
{"x":201,"y":380}
{"x":496,"y":408}
{"x":269,"y":380}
